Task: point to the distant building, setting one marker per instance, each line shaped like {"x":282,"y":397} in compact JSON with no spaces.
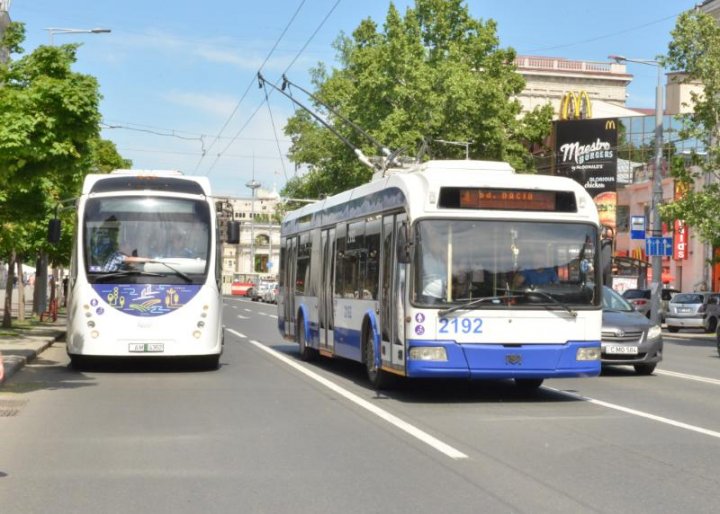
{"x":259,"y":247}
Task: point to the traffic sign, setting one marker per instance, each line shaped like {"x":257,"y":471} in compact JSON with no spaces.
{"x":662,"y":246}
{"x":637,"y":227}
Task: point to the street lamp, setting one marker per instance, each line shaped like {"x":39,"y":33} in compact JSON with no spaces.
{"x":54,"y":30}
{"x":253,"y":185}
{"x":656,"y":186}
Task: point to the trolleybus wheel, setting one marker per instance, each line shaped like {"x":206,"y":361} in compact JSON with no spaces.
{"x":306,"y":353}
{"x":378,"y":378}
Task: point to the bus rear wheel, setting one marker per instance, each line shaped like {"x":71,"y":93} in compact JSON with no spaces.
{"x":378,"y":378}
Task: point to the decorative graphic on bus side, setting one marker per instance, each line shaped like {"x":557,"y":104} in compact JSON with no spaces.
{"x":147,"y":299}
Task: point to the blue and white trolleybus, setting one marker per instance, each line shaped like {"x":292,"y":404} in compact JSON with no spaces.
{"x":447,"y":269}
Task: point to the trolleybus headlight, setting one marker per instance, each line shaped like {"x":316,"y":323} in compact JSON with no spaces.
{"x":94,"y":334}
{"x":200,"y":324}
{"x":588,"y":354}
{"x":428,"y":353}
{"x":91,"y":324}
{"x":197,"y":334}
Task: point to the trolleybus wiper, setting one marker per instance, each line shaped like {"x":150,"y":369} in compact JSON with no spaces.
{"x":472,"y":303}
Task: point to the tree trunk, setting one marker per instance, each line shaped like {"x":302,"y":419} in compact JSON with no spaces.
{"x":20,"y":290}
{"x":7,"y":311}
{"x":41,"y":283}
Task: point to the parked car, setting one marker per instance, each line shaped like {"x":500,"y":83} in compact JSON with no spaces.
{"x":640,"y":299}
{"x":271,"y":293}
{"x":628,"y":337}
{"x":258,"y":292}
{"x":689,"y":310}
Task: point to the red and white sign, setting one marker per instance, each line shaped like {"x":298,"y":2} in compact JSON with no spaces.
{"x":680,"y":241}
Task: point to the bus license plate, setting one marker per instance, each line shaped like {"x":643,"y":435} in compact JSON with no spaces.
{"x":616,"y":349}
{"x":146,"y":347}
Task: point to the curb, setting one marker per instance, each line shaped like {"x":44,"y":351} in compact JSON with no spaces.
{"x":15,"y":359}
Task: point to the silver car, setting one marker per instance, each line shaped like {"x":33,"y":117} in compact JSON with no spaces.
{"x":628,"y":337}
{"x":689,"y":310}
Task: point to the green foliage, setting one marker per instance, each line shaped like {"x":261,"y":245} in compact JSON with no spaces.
{"x":49,"y":140}
{"x":695,"y":50}
{"x":434,"y":73}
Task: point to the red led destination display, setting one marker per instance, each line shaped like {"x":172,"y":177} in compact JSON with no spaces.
{"x":507,"y":199}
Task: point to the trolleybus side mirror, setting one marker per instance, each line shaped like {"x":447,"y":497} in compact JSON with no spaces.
{"x":233,"y":232}
{"x":404,"y":246}
{"x":54,"y":231}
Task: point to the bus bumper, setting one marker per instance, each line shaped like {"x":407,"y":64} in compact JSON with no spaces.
{"x":497,"y":361}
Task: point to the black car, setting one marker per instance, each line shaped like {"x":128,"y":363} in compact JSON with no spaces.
{"x":628,"y":337}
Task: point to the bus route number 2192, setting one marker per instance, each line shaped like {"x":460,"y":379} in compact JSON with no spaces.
{"x":461,"y":326}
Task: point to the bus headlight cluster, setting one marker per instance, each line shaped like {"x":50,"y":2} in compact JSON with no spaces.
{"x":588,"y":354}
{"x":428,"y":353}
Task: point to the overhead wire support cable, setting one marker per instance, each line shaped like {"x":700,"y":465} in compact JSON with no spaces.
{"x":360,"y":155}
{"x":385,"y":151}
{"x":277,"y":141}
{"x":237,"y":106}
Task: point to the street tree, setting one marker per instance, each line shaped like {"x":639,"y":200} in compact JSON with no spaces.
{"x":695,"y":51}
{"x":431,"y":76}
{"x":49,"y":122}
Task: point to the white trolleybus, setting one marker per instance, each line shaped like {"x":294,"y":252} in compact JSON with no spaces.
{"x":144,"y":273}
{"x":448,"y":269}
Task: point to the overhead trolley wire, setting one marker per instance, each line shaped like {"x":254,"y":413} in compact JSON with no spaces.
{"x":250,"y":84}
{"x":297,"y":56}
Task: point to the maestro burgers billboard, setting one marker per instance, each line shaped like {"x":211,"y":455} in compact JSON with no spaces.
{"x":586,"y":151}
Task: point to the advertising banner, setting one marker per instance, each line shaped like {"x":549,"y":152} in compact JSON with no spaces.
{"x":586,"y":151}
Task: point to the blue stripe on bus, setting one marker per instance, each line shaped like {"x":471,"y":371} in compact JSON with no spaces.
{"x":499,"y":361}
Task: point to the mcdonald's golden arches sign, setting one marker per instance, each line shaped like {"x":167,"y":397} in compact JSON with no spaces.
{"x":575,"y":106}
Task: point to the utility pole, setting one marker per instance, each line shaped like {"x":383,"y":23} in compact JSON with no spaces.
{"x":657,"y":193}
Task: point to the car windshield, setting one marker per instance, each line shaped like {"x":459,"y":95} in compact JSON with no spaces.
{"x":687,"y":298}
{"x":636,"y":293}
{"x":612,"y":301}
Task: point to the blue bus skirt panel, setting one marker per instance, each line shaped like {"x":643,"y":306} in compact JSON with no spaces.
{"x":496,"y":361}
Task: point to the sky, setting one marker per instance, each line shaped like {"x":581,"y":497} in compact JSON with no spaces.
{"x":179,"y":85}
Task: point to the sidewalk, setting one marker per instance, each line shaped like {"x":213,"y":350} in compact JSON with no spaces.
{"x":19,"y":346}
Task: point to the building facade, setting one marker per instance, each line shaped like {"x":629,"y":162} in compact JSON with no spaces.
{"x":549,"y":80}
{"x":259,"y":248}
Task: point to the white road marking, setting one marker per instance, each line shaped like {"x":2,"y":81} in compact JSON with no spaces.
{"x":381,"y":413}
{"x":647,"y":415}
{"x":240,"y":316}
{"x":685,"y":376}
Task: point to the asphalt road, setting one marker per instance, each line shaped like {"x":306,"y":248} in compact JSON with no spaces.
{"x":269,"y":433}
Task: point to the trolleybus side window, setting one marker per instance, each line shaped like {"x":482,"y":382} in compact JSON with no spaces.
{"x":371,"y":273}
{"x":303,"y":264}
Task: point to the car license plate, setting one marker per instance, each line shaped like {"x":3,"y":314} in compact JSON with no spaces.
{"x":684,"y":309}
{"x":146,"y":347}
{"x":618,"y":349}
